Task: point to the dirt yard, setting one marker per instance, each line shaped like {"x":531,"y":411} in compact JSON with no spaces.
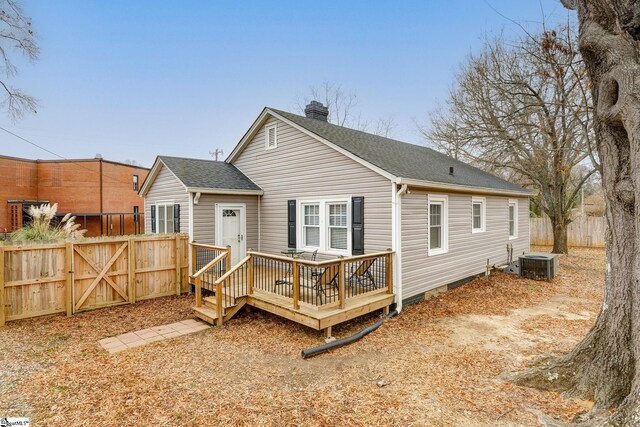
{"x":438,"y":364}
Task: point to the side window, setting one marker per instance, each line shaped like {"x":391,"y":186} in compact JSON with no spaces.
{"x":438,"y":225}
{"x":513,"y":219}
{"x":135,"y":182}
{"x":478,"y":214}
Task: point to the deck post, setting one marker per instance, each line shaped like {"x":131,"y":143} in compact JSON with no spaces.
{"x":193,"y":263}
{"x":178,"y":265}
{"x":340,"y":286}
{"x":250,"y":274}
{"x":327,"y":333}
{"x":219,"y":302}
{"x":296,"y":285}
{"x":68,"y":270}
{"x":389,"y":272}
{"x":2,"y":308}
{"x":228,"y":260}
{"x":198,"y":285}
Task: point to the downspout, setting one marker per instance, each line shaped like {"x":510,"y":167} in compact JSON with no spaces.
{"x":259,"y":225}
{"x":397,"y":243}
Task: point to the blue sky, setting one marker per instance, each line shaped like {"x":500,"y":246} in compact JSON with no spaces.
{"x":133,"y":79}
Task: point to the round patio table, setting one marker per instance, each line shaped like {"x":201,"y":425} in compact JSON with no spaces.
{"x":293,"y":253}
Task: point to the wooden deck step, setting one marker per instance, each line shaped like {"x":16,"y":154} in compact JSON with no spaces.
{"x":207,"y":314}
{"x":210,"y":302}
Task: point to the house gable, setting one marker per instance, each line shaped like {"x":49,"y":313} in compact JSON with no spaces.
{"x":303,"y":168}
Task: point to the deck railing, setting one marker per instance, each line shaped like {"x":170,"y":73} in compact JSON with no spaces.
{"x":316,"y":284}
{"x":202,"y":256}
{"x":322,"y":284}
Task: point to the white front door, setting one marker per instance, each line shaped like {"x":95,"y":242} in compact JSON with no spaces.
{"x":230,"y":230}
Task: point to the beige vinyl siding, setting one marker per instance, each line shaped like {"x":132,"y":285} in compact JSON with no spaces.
{"x":166,"y":188}
{"x":468,"y":252}
{"x":303,"y":168}
{"x":204,"y":220}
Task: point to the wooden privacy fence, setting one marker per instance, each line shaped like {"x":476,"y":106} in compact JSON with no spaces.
{"x":41,"y":279}
{"x":585,"y":231}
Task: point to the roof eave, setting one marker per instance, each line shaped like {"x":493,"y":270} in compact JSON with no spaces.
{"x":462,"y":188}
{"x":206,"y":190}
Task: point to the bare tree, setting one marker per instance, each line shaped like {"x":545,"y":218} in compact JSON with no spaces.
{"x":16,"y":35}
{"x":522,"y":110}
{"x":342,"y":107}
{"x":341,"y":104}
{"x":605,"y":366}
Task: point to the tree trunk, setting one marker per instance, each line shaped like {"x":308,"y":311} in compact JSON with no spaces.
{"x":605,"y":366}
{"x":560,"y":245}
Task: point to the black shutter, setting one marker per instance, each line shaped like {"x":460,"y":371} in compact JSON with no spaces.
{"x":176,"y":218}
{"x":153,"y":218}
{"x":357,"y":225}
{"x":291,"y":223}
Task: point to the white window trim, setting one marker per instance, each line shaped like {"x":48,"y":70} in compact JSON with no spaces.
{"x":158,"y":204}
{"x":445,"y":223}
{"x":324,"y":224}
{"x":513,"y":202}
{"x":266,"y":136}
{"x":483,"y":214}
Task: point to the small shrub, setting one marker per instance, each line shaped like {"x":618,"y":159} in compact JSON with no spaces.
{"x":41,"y":227}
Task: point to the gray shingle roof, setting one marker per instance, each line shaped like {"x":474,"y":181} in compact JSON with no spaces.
{"x":402,"y":159}
{"x":208,"y":174}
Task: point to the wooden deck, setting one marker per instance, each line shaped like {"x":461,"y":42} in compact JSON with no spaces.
{"x":316,"y":294}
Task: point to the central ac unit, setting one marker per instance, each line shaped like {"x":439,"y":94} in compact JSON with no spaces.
{"x":539,"y":266}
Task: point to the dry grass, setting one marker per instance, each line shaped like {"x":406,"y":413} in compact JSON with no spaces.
{"x":440,"y":362}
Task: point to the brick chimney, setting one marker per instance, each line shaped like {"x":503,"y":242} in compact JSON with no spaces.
{"x":315,"y":110}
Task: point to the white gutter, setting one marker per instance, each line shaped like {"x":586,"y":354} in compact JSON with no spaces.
{"x":396,"y":219}
{"x":196,"y":199}
{"x":461,"y":188}
{"x":205,"y":190}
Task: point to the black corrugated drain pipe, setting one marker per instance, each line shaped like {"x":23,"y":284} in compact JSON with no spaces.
{"x":314,"y":351}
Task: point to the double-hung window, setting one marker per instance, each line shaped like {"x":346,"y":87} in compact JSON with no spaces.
{"x":311,"y":225}
{"x":478,"y":211}
{"x":325,"y":226}
{"x":513,"y":219}
{"x":337,"y":230}
{"x":164,"y":218}
{"x":438,"y":225}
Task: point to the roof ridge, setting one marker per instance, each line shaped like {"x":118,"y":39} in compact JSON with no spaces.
{"x":192,"y":158}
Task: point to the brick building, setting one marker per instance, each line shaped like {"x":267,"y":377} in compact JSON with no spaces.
{"x":101,"y":193}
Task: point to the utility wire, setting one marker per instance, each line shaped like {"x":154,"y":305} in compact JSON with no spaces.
{"x":58,"y":155}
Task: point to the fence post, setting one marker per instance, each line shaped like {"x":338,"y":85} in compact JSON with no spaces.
{"x":250,"y":273}
{"x":389,"y":272}
{"x":132,"y":270}
{"x":341,"y":284}
{"x":2,"y":296}
{"x":296,"y":284}
{"x":178,"y":265}
{"x":68,"y":269}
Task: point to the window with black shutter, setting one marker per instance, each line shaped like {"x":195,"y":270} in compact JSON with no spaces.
{"x":357,"y":225}
{"x":153,"y":218}
{"x":176,"y":218}
{"x":291,"y":223}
